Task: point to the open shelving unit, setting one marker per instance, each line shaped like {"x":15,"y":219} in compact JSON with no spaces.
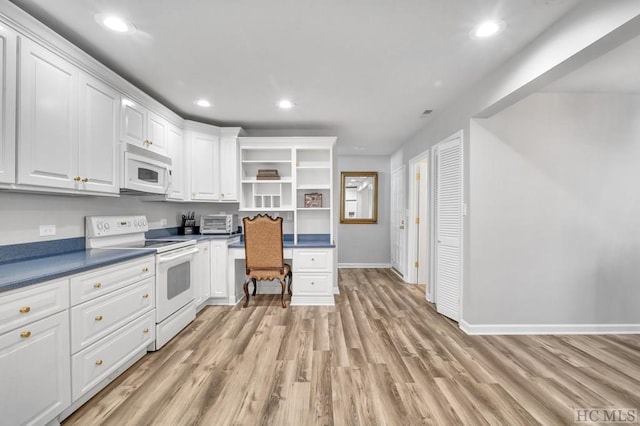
{"x":305,"y":187}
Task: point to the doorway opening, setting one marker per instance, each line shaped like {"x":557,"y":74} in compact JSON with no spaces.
{"x":420,"y":222}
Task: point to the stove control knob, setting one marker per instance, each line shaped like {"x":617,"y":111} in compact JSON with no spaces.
{"x":106,"y":226}
{"x":143,"y":222}
{"x":100,"y":226}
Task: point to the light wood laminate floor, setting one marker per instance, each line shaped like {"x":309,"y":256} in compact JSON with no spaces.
{"x":382,"y":355}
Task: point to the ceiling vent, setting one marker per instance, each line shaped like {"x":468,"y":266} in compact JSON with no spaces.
{"x":425,"y":113}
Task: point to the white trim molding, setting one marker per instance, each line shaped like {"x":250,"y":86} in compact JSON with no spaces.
{"x":364,"y":265}
{"x":502,"y":329}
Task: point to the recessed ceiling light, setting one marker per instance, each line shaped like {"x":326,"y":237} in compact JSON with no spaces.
{"x":202,"y":103}
{"x":115,"y":23}
{"x":487,"y":29}
{"x":285,"y":104}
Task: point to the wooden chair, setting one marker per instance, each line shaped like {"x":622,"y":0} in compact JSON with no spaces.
{"x":263,"y":248}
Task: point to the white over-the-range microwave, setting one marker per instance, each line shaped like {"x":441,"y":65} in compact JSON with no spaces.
{"x":145,"y":171}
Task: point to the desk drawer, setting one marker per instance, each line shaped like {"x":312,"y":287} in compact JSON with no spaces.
{"x":92,"y":365}
{"x":91,"y":285}
{"x":93,"y":320}
{"x":312,"y":260}
{"x":23,"y":306}
{"x":312,"y":284}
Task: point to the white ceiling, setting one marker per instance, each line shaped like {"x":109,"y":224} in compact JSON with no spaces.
{"x":617,"y":71}
{"x":363,"y":70}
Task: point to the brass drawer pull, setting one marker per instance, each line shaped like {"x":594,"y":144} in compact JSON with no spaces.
{"x":145,"y":269}
{"x":85,"y":180}
{"x":77,"y":178}
{"x":97,"y":285}
{"x":25,"y":334}
{"x":99,"y":318}
{"x":99,"y":362}
{"x":145,"y":296}
{"x":25,"y":309}
{"x":145,"y":331}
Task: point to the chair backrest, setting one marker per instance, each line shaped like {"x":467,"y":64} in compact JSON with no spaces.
{"x":263,"y":243}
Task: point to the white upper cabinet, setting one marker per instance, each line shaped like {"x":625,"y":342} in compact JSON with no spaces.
{"x":8,"y":55}
{"x":205,"y":185}
{"x":143,"y":128}
{"x":228,"y":169}
{"x":48,"y":119}
{"x":99,"y":108}
{"x":157,"y":132}
{"x":176,"y":150}
{"x":68,"y":125}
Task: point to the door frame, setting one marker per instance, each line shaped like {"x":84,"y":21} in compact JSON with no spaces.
{"x":412,"y":232}
{"x":434,"y":158}
{"x":402,"y":261}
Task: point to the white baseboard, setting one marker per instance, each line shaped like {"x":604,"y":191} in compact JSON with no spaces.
{"x":364,"y":265}
{"x":498,"y":329}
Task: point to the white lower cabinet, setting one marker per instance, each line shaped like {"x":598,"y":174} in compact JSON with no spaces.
{"x":219,"y":256}
{"x":202,"y":266}
{"x":312,"y":276}
{"x":94,"y":364}
{"x":34,"y":371}
{"x":112,"y":322}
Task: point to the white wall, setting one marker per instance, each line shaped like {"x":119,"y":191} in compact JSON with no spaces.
{"x":555,"y":207}
{"x":365,"y":243}
{"x":22,"y":213}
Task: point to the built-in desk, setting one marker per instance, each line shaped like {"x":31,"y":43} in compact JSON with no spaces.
{"x":312,"y":261}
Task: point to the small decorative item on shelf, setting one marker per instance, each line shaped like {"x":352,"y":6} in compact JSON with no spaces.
{"x":312,"y":200}
{"x":268,"y":174}
{"x":188,"y":225}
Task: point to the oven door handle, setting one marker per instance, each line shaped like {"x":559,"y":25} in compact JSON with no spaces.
{"x":164,"y":259}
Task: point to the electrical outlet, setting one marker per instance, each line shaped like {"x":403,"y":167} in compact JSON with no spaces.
{"x":163,"y":222}
{"x":47,"y":230}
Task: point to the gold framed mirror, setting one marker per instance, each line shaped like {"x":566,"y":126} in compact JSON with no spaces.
{"x":358,"y":197}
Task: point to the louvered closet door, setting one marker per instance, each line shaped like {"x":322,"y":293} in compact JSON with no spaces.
{"x":449,"y":228}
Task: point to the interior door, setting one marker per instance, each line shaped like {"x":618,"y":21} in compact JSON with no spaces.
{"x":448,"y":227}
{"x":398,"y":220}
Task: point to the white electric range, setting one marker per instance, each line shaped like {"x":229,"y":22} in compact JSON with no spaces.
{"x":175,"y":306}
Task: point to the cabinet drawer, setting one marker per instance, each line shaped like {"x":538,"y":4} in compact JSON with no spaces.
{"x":92,"y":365}
{"x":91,"y":285}
{"x":312,"y":260}
{"x":93,"y":320}
{"x":20,"y":307}
{"x":310,"y":284}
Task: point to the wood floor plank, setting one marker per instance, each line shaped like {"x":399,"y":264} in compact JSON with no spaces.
{"x":381,"y":356}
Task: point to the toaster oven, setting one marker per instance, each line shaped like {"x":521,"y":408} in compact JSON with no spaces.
{"x":218,"y":223}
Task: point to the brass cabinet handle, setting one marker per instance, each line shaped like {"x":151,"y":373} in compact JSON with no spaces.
{"x":148,"y":142}
{"x":25,"y":309}
{"x":25,"y":334}
{"x":145,"y":269}
{"x":146,"y":295}
{"x":97,"y":285}
{"x":77,"y":178}
{"x":99,"y":318}
{"x":146,"y":330}
{"x":85,"y":180}
{"x":99,"y":362}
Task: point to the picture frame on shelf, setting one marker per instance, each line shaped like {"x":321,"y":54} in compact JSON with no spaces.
{"x":313,"y":200}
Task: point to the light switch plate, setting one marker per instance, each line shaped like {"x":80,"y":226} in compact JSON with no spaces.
{"x":47,"y":230}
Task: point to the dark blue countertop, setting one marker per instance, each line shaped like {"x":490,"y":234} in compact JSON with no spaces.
{"x":31,"y":271}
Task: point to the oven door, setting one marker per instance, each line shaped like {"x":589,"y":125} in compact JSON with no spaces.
{"x":145,"y":174}
{"x":174,"y":281}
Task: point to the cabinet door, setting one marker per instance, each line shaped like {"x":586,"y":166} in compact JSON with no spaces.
{"x":219,"y":269}
{"x":99,"y":108}
{"x":48,"y":120}
{"x":202,"y":262}
{"x":35,"y":371}
{"x":204,"y":167}
{"x":176,"y":149}
{"x":157,"y":132}
{"x":134,"y":123}
{"x":8,"y":54}
{"x":228,"y":169}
